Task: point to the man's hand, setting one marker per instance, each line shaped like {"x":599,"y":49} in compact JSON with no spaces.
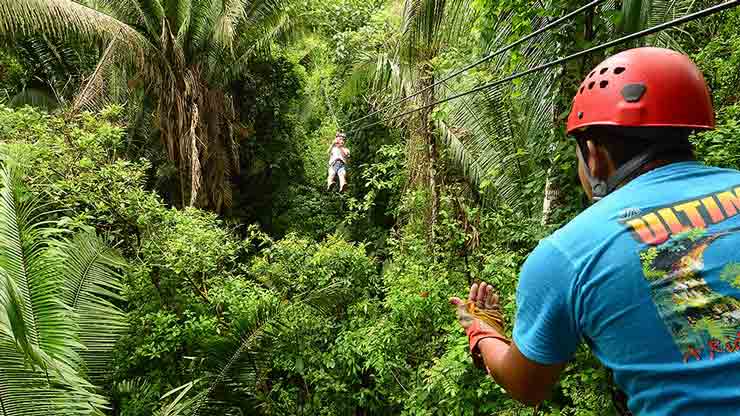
{"x":483,"y":299}
{"x":481,"y":318}
{"x":526,"y":380}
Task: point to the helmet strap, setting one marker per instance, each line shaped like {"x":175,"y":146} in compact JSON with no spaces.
{"x":598,"y":186}
{"x":601,"y":188}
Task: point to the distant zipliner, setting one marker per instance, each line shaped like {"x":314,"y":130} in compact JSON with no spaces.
{"x":338,"y":156}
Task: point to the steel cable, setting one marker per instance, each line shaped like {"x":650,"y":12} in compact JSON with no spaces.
{"x":487,"y":58}
{"x":646,"y":32}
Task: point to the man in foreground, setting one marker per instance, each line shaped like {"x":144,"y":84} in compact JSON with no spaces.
{"x":649,"y":276}
{"x":338,"y":155}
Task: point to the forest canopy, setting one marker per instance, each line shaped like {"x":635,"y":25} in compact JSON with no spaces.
{"x":167,"y":243}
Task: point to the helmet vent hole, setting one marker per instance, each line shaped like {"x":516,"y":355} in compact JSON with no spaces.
{"x":582,"y":88}
{"x":591,"y":74}
{"x":591,"y":84}
{"x":603,"y":84}
{"x":603,"y":70}
{"x":618,"y":70}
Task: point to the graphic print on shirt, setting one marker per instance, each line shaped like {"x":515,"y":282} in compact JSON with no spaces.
{"x":698,"y":302}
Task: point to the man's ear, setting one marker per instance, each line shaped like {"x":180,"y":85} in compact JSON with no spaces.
{"x":599,"y":162}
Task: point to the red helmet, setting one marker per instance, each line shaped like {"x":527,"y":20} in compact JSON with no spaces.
{"x":643,"y":87}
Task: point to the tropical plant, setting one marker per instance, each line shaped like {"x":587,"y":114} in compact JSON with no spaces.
{"x":506,"y":137}
{"x":185,"y":53}
{"x":637,"y":15}
{"x":58,"y":321}
{"x":405,"y":65}
{"x":51,"y":72}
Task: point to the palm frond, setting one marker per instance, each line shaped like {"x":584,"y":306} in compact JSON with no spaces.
{"x":40,"y":323}
{"x":26,"y":391}
{"x":183,"y":20}
{"x":204,"y":15}
{"x":134,"y":385}
{"x":38,"y":339}
{"x":498,"y":134}
{"x":63,"y":19}
{"x":90,"y":288}
{"x":384,"y":75}
{"x":264,"y":22}
{"x":428,"y":25}
{"x":99,"y":89}
{"x":661,"y":11}
{"x":181,"y":404}
{"x":251,"y":329}
{"x":249,"y":353}
{"x":133,"y":13}
{"x":635,"y":15}
{"x":641,"y":14}
{"x":257,"y":41}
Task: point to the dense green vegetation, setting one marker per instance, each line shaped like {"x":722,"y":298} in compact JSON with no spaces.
{"x":162,"y":173}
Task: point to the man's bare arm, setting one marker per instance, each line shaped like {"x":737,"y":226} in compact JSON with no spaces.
{"x":525,"y":380}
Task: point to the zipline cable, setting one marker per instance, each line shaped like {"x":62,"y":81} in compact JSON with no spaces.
{"x":331,"y":107}
{"x":485,"y":59}
{"x":649,"y":31}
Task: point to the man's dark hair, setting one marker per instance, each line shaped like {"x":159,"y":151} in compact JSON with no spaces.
{"x":624,"y":143}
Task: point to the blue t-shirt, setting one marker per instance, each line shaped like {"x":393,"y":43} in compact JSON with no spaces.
{"x":649,"y":278}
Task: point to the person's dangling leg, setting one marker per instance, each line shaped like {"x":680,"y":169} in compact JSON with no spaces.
{"x":342,"y":173}
{"x":330,"y":178}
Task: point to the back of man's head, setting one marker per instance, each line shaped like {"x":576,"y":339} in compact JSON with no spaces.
{"x":625,"y":143}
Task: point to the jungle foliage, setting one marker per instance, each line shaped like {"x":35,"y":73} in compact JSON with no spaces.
{"x":166,"y":182}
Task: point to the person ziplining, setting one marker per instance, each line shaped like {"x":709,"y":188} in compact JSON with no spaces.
{"x":338,"y":157}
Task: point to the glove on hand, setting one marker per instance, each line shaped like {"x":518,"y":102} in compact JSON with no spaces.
{"x":492,"y":316}
{"x":481,"y":318}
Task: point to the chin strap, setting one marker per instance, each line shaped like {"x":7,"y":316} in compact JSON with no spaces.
{"x":601,"y":188}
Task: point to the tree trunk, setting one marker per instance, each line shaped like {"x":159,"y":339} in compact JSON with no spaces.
{"x":553,"y":198}
{"x":430,"y":144}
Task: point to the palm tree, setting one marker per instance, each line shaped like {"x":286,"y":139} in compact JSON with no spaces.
{"x":499,"y":136}
{"x":503,"y":135}
{"x":58,"y":322}
{"x":52,"y":71}
{"x":428,"y":28}
{"x":185,"y":53}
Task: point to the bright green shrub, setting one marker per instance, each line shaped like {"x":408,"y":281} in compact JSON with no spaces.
{"x":335,"y":277}
{"x":721,"y":147}
{"x":180,"y":298}
{"x":452,"y":386}
{"x":190,"y":247}
{"x":296,"y":265}
{"x":719,"y":60}
{"x":304,"y":210}
{"x":76,"y":164}
{"x":12,"y":75}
